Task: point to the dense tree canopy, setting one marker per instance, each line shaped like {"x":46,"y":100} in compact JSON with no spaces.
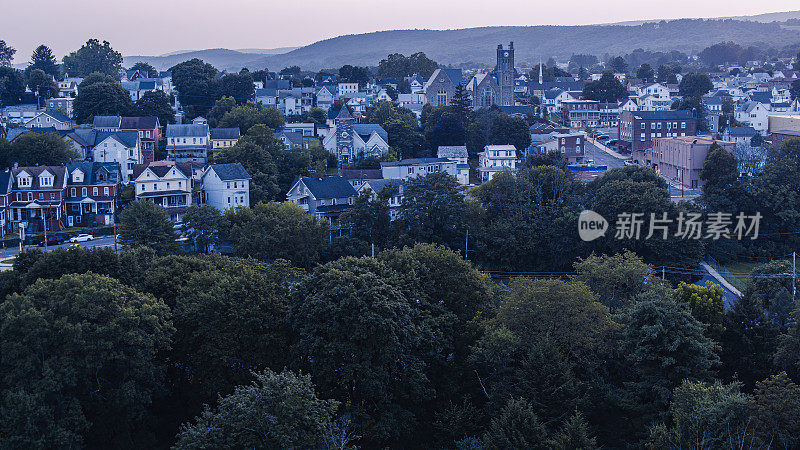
{"x":607,"y":89}
{"x":44,"y":60}
{"x":101,"y":99}
{"x":94,"y":56}
{"x":32,"y":149}
{"x":143,"y":223}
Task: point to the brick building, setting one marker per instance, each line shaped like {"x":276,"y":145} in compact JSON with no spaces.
{"x":638,"y":130}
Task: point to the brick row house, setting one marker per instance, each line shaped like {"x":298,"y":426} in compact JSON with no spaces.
{"x":638,"y":130}
{"x":92,"y":193}
{"x":37,"y":200}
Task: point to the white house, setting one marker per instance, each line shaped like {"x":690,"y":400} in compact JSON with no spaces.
{"x":345,"y":89}
{"x":459,"y":155}
{"x":414,"y":167}
{"x":121,"y":147}
{"x":755,"y":114}
{"x":225,"y":186}
{"x":188,"y":143}
{"x":496,"y":158}
{"x":48,"y":119}
{"x":167,"y":184}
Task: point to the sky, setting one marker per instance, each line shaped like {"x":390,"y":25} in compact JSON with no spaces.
{"x":154,"y":27}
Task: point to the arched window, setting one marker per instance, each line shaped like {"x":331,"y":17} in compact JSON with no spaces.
{"x":441,"y":97}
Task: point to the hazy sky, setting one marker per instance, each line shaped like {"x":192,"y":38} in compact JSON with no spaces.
{"x":152,"y":27}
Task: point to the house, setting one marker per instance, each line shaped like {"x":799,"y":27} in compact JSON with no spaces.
{"x":441,"y":86}
{"x":681,"y":158}
{"x":188,"y":143}
{"x":357,"y":177}
{"x":18,"y":114}
{"x":225,"y":186}
{"x":63,"y":104}
{"x":459,"y":155}
{"x":580,"y":113}
{"x":784,"y":128}
{"x":414,"y":167}
{"x":740,"y":135}
{"x":51,"y":118}
{"x":167,"y":184}
{"x":639,"y":129}
{"x":416,"y":84}
{"x":121,"y":147}
{"x":37,"y":202}
{"x":393,"y":189}
{"x":106,"y":123}
{"x":325,"y":97}
{"x":68,"y":87}
{"x":496,"y":158}
{"x":267,"y":97}
{"x":346,"y":89}
{"x":223,"y":138}
{"x":349,"y":140}
{"x":324,"y":197}
{"x":149,"y":130}
{"x":6,"y":188}
{"x":307,"y":129}
{"x":754,"y":114}
{"x":93,"y":192}
{"x":291,"y":139}
{"x":571,"y":145}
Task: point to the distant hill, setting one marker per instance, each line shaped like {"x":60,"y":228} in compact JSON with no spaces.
{"x":475,"y":46}
{"x":219,"y":57}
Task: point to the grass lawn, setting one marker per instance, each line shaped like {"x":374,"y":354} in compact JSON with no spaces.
{"x":741,"y":269}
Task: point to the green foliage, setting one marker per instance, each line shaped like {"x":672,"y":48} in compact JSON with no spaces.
{"x":516,"y":427}
{"x":80,"y":362}
{"x":607,"y":89}
{"x":194,"y":80}
{"x":433,"y":210}
{"x":33,"y":149}
{"x":246,"y":116}
{"x":354,"y":320}
{"x":695,"y":85}
{"x":355,"y":74}
{"x":401,"y":126}
{"x":201,"y":226}
{"x":398,"y":66}
{"x":101,"y":99}
{"x":616,"y":279}
{"x":776,"y":404}
{"x":269,"y":231}
{"x":146,"y":69}
{"x":369,"y":220}
{"x":276,"y":411}
{"x":145,"y":224}
{"x":156,"y":103}
{"x":222,"y":106}
{"x":6,"y":53}
{"x":723,"y":190}
{"x":574,"y":435}
{"x":698,"y":108}
{"x":42,"y":83}
{"x":94,"y":56}
{"x":748,"y":342}
{"x":12,"y":85}
{"x":706,"y":304}
{"x":237,"y":85}
{"x":666,"y":75}
{"x":618,"y":65}
{"x":645,"y":73}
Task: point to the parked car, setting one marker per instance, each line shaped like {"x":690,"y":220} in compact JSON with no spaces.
{"x":603,"y":137}
{"x":629,"y":162}
{"x":611,"y":142}
{"x":81,"y":238}
{"x":52,"y":240}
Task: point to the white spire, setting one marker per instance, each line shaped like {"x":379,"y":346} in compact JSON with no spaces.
{"x":541,"y":76}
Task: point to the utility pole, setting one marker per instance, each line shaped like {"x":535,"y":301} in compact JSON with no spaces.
{"x":466,"y":246}
{"x":794,"y":275}
{"x":44,"y":220}
{"x":115,"y":235}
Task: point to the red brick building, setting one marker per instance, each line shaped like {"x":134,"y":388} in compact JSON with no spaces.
{"x":638,"y":130}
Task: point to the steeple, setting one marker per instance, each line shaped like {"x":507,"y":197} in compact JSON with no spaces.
{"x":541,"y":75}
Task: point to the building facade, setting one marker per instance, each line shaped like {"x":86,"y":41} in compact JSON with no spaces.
{"x":638,"y":130}
{"x":681,"y":158}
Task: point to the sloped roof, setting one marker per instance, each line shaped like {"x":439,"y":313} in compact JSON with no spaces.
{"x":414,"y":161}
{"x":5,"y":185}
{"x":334,"y":186}
{"x":452,"y":151}
{"x":160,"y":168}
{"x":292,"y":136}
{"x":379,"y":184}
{"x":742,"y":131}
{"x":361,"y":174}
{"x":106,"y":121}
{"x":365,"y":130}
{"x":90,"y":171}
{"x":59,"y":174}
{"x":139,"y":123}
{"x":225,"y":133}
{"x":127,"y":138}
{"x":231,"y":171}
{"x":187,"y":130}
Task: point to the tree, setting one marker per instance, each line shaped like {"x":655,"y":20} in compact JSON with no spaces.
{"x":776,"y":404}
{"x":259,"y":163}
{"x":616,"y":279}
{"x":94,"y":56}
{"x":201,"y":225}
{"x":706,"y":303}
{"x":143,"y":223}
{"x":748,"y":342}
{"x":516,"y":427}
{"x":355,"y":74}
{"x":443,"y":126}
{"x":80,"y":362}
{"x":31,"y":149}
{"x":146,"y":69}
{"x":607,"y":89}
{"x":43,"y":59}
{"x":276,"y":411}
{"x":95,"y":77}
{"x":645,"y":72}
{"x":221,"y":107}
{"x":101,"y":99}
{"x":666,"y":75}
{"x":398,"y":66}
{"x":6,"y":54}
{"x":506,"y":130}
{"x":618,"y":65}
{"x":317,"y":115}
{"x":194,"y":80}
{"x":695,"y":85}
{"x":706,"y":415}
{"x":433,"y":210}
{"x":12,"y":86}
{"x":42,"y":84}
{"x":401,"y":126}
{"x":574,"y":434}
{"x":252,"y":113}
{"x":663,"y":345}
{"x":269,"y":231}
{"x":363,"y":335}
{"x":722,"y":190}
{"x":156,"y":103}
{"x":237,"y":85}
{"x":795,"y":90}
{"x":369,"y":220}
{"x":462,"y":105}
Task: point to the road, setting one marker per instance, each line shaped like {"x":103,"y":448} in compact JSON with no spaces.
{"x":104,"y":241}
{"x":601,"y":157}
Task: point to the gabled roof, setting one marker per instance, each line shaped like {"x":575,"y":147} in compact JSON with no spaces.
{"x":128,"y":138}
{"x":329,"y":187}
{"x":139,"y":123}
{"x":56,"y":115}
{"x":106,"y":121}
{"x":229,"y":172}
{"x":365,"y":130}
{"x":361,"y":174}
{"x":380,"y":184}
{"x":225,"y":133}
{"x":187,"y":130}
{"x":58,"y":172}
{"x":266,"y":92}
{"x":294,"y":137}
{"x":91,"y":170}
{"x":16,"y":132}
{"x":161,"y":168}
{"x":452,"y":151}
{"x":742,"y":131}
{"x":760,"y":96}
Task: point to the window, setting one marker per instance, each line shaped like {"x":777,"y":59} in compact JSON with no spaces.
{"x":52,"y":196}
{"x":683,"y":125}
{"x":19,"y":196}
{"x":83,"y":192}
{"x":72,"y":192}
{"x":30,"y":196}
{"x":105,"y":191}
{"x":41,"y":196}
{"x":94,"y":190}
{"x":155,"y":187}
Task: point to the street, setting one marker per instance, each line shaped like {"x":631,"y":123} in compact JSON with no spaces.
{"x":602,"y":157}
{"x":102,"y":241}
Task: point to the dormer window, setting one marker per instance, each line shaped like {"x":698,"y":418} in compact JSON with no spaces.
{"x":45,"y":181}
{"x":24,"y":181}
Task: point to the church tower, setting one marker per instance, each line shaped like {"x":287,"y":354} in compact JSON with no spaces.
{"x":505,"y":74}
{"x":344,"y":136}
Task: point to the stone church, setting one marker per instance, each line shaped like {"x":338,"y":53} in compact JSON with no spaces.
{"x":485,"y":89}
